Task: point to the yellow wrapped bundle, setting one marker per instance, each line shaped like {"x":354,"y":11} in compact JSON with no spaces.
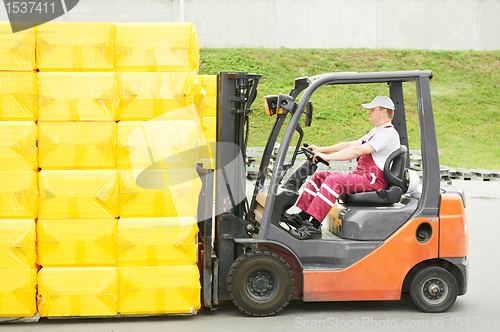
{"x":17,"y":292}
{"x":18,"y":96}
{"x":17,"y":244}
{"x":146,"y":96}
{"x":171,"y":47}
{"x":157,"y":241}
{"x":77,"y":242}
{"x":205,"y":153}
{"x":209,"y":108}
{"x":77,"y":145}
{"x":209,"y":84}
{"x":18,"y":194}
{"x":158,"y":290}
{"x":18,"y":141}
{"x":157,"y":144}
{"x":78,"y":194}
{"x":209,"y":127}
{"x":17,"y":50}
{"x":77,"y":291}
{"x":159,"y":193}
{"x":67,"y":46}
{"x":78,"y":97}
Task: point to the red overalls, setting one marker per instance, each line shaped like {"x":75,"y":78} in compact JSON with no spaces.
{"x":324,"y":188}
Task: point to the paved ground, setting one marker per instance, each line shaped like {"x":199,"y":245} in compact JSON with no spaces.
{"x":478,"y":310}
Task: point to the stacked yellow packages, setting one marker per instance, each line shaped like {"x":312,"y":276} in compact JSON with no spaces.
{"x":18,"y":173}
{"x":98,"y":155}
{"x":157,"y":241}
{"x":78,"y":97}
{"x":17,"y":268}
{"x":78,"y":194}
{"x":158,"y":290}
{"x":64,"y":46}
{"x":78,"y":291}
{"x":16,"y":49}
{"x":18,"y":96}
{"x":78,"y":206}
{"x":144,"y":47}
{"x":77,"y":145}
{"x":18,"y":140}
{"x":77,"y":242}
{"x":157,"y":144}
{"x":145,"y":96}
{"x":18,"y":194}
{"x":159,"y":187}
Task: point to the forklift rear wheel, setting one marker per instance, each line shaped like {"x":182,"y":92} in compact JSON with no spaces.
{"x":260,"y":283}
{"x":433,"y":289}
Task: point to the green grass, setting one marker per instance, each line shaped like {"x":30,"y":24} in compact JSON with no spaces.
{"x":465,"y":94}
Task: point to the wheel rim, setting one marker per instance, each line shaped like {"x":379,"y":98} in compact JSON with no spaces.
{"x":434,"y":290}
{"x":261,"y":285}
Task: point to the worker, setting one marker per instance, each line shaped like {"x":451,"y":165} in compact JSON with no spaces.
{"x":325,"y":187}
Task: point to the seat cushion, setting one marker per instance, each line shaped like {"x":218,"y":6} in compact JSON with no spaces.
{"x":389,"y":196}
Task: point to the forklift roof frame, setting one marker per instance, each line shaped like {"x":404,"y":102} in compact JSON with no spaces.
{"x":429,"y":203}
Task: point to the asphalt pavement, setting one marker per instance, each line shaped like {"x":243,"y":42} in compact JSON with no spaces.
{"x":478,"y":310}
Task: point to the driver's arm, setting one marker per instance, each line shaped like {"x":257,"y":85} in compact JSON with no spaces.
{"x":336,"y":147}
{"x":351,"y":152}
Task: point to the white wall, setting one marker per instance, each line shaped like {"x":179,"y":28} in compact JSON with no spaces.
{"x":417,"y":24}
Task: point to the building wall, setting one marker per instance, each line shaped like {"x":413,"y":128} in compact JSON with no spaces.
{"x":414,"y":24}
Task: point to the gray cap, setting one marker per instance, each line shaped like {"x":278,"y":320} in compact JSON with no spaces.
{"x":381,"y":101}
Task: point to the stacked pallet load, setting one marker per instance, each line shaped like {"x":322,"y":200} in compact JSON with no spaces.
{"x":158,"y":133}
{"x":98,"y":181}
{"x":18,"y":174}
{"x":78,"y":181}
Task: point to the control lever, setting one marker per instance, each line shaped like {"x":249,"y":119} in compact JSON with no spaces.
{"x":310,"y":154}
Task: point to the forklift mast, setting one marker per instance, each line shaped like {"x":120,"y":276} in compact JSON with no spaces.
{"x":235,"y":94}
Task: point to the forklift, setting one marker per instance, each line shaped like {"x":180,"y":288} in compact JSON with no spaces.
{"x":380,"y":243}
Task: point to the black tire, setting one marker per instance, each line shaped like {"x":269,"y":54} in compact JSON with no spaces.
{"x":260,"y":283}
{"x":433,"y":289}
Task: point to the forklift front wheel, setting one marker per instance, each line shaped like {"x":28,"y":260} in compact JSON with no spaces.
{"x":433,"y":289}
{"x":260,"y":283}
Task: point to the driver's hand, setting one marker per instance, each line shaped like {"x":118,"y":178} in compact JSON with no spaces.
{"x":313,"y":148}
{"x":320,"y":154}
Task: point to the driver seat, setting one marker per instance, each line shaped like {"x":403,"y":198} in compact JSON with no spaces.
{"x":397,"y":177}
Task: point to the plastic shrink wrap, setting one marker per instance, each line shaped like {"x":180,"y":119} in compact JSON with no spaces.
{"x":18,"y":140}
{"x":71,"y":46}
{"x":17,"y":292}
{"x":145,"y":96}
{"x":209,"y":85}
{"x":159,"y":193}
{"x":171,"y":47}
{"x":77,"y":242}
{"x":157,"y":144}
{"x":18,"y":194}
{"x":77,"y":145}
{"x":17,"y":243}
{"x":78,"y":194}
{"x":18,"y":96}
{"x":78,"y":97}
{"x":206,"y":148}
{"x":158,"y":289}
{"x":17,"y":50}
{"x":157,"y":241}
{"x":77,"y":291}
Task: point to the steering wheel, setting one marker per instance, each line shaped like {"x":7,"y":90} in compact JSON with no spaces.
{"x":309,"y":154}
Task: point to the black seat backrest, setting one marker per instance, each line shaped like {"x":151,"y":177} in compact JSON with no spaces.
{"x":394,"y":168}
{"x":396,"y":175}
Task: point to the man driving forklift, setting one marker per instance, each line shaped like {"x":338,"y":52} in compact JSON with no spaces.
{"x":324,"y":188}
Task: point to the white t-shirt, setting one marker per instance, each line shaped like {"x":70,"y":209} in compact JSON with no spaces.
{"x":384,"y":140}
